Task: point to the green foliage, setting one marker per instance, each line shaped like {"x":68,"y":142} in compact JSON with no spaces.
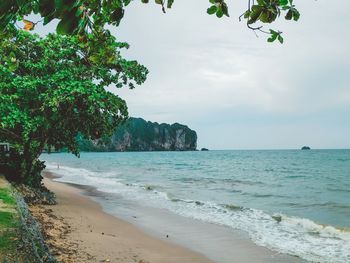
{"x":6,"y":197}
{"x":9,"y":225}
{"x":275,"y":35}
{"x":267,"y":11}
{"x":52,"y":89}
{"x":7,"y":242}
{"x":7,"y":219}
{"x":219,"y":7}
{"x":82,"y":16}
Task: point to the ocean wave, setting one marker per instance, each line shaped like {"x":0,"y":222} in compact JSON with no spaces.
{"x":84,"y":177}
{"x":339,"y":190}
{"x":286,"y":234}
{"x":327,"y":204}
{"x":343,"y":159}
{"x":238,"y":181}
{"x":295,"y":176}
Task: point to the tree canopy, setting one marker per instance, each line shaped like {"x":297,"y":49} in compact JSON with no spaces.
{"x":82,"y":16}
{"x":51,"y":90}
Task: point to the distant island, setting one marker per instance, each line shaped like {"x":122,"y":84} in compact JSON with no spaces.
{"x":305,"y":148}
{"x":138,"y":134}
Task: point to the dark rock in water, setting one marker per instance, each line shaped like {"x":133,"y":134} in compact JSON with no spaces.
{"x":140,"y":135}
{"x":305,"y":148}
{"x":278,"y":218}
{"x":204,"y":149}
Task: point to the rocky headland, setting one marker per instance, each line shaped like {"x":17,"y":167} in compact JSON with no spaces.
{"x":138,"y":134}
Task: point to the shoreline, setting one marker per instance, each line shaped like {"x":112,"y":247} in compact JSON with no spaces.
{"x":203,"y":242}
{"x":91,"y":235}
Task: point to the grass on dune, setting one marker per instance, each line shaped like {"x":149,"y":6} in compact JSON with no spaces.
{"x":8,"y":223}
{"x":7,"y":219}
{"x":6,"y":197}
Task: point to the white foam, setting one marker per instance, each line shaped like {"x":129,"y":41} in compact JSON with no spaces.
{"x":291,"y":235}
{"x":103,"y":182}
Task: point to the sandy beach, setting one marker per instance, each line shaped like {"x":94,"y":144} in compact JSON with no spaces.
{"x":79,"y":231}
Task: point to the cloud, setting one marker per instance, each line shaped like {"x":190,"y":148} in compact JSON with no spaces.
{"x":217,"y":77}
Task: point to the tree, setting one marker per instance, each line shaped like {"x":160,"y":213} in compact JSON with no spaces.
{"x":81,"y":16}
{"x":51,"y":90}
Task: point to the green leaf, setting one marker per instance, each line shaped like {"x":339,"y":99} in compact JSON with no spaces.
{"x":280,"y":38}
{"x":265,"y":17}
{"x":170,"y":3}
{"x":66,"y":26}
{"x":212,"y":10}
{"x":271,"y":39}
{"x":219,"y":13}
{"x":273,"y":36}
{"x":255,"y":14}
{"x":296,"y":15}
{"x":117,"y":14}
{"x":289,"y":14}
{"x":48,"y":19}
{"x":283,"y":2}
{"x":225,"y":9}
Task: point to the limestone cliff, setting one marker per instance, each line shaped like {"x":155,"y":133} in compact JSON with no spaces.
{"x":140,"y":135}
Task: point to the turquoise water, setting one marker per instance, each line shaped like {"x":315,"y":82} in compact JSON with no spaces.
{"x":291,"y":201}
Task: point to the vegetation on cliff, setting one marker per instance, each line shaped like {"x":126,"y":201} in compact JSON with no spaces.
{"x":139,"y":135}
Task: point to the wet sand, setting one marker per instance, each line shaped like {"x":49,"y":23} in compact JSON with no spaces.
{"x":78,"y":230}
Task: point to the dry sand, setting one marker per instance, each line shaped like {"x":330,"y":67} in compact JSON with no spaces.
{"x":78,"y":230}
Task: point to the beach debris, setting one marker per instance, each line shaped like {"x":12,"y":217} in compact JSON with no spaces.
{"x":102,"y":233}
{"x":167,"y":236}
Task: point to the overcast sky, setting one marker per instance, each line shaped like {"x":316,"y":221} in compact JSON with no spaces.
{"x":236,"y":90}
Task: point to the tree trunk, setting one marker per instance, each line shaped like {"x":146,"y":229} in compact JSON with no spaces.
{"x":31,"y":166}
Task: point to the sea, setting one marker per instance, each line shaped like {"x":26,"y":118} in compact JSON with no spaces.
{"x":295,"y":202}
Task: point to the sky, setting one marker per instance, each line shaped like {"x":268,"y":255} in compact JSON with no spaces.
{"x":236,"y":90}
